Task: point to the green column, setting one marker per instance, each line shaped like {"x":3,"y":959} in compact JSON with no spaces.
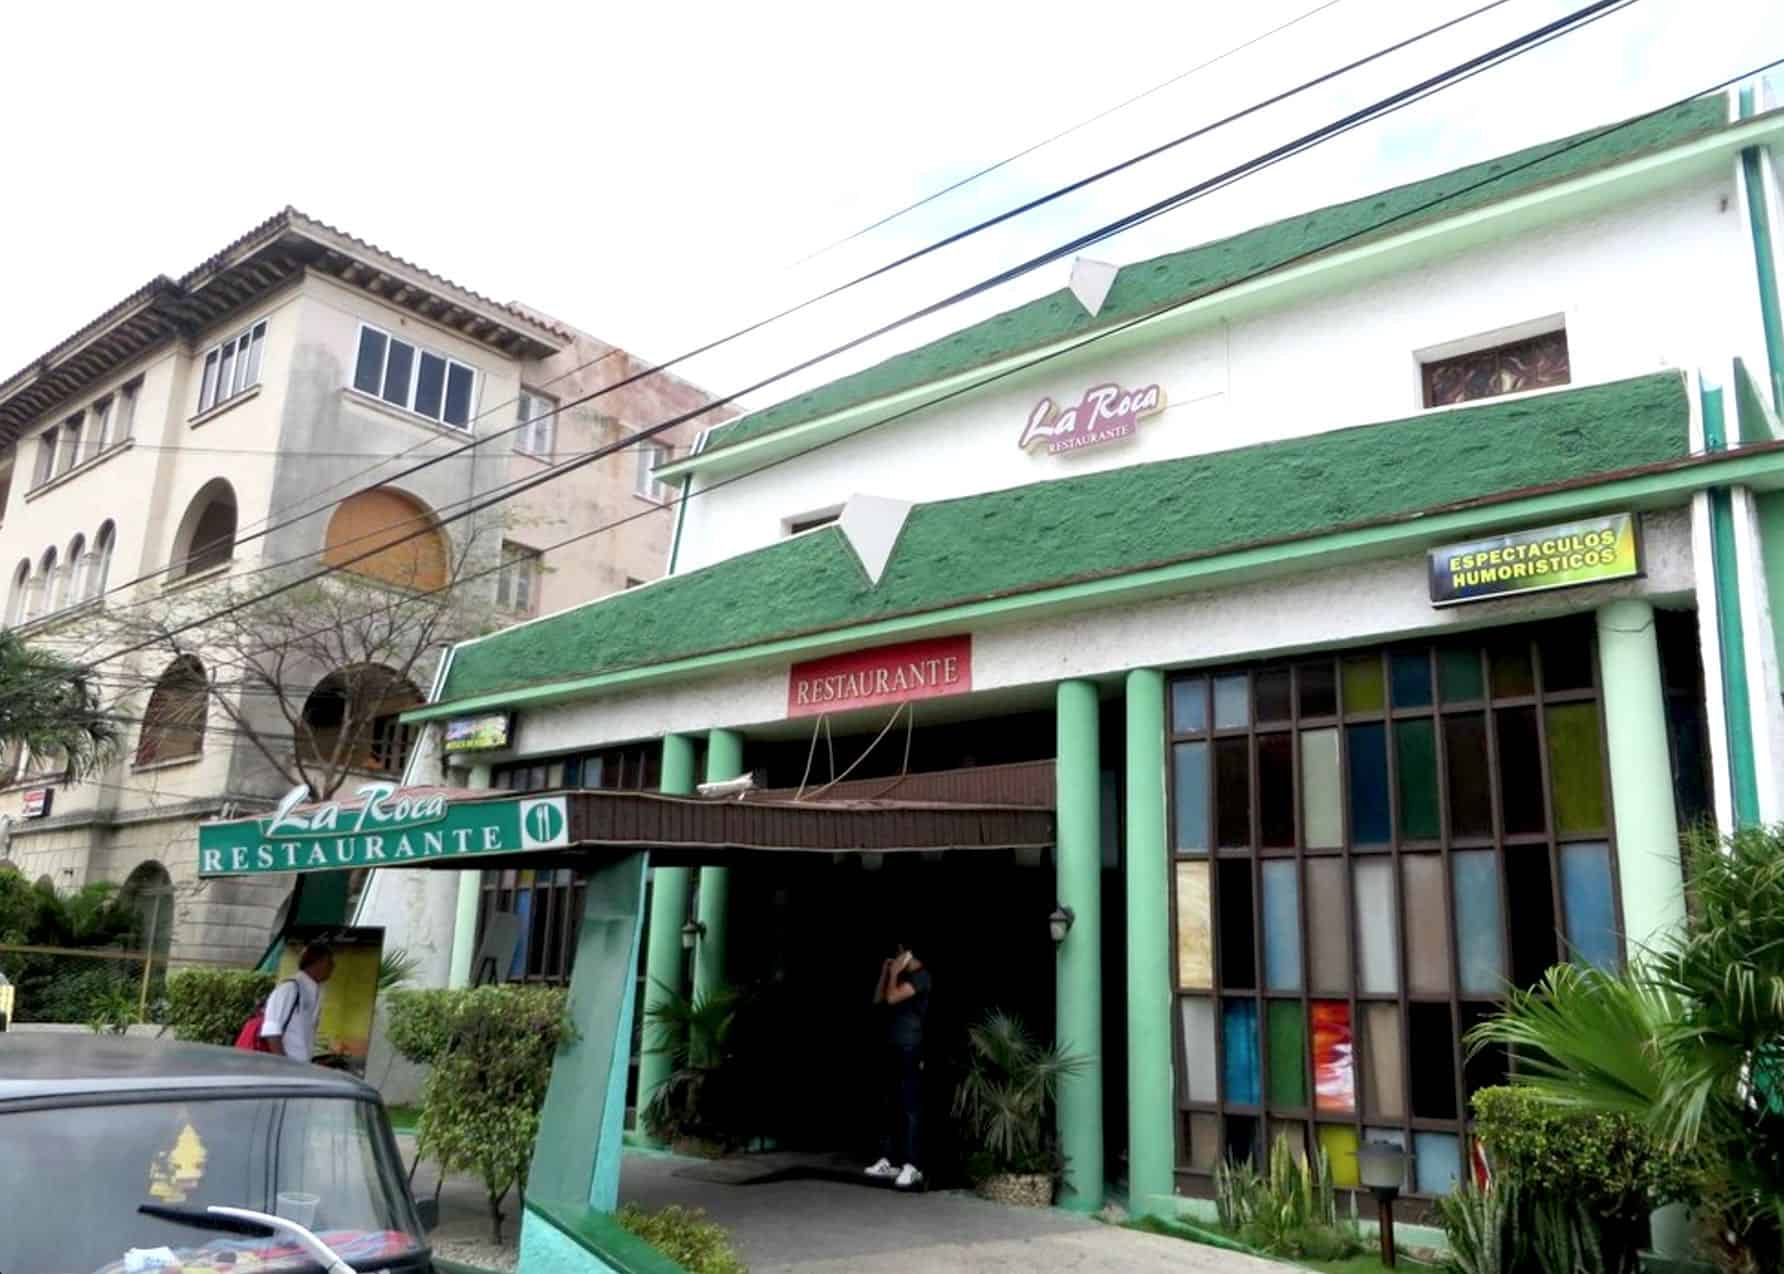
{"x":1771,"y":547}
{"x":1078,"y":967}
{"x":1151,"y":1118}
{"x":664,"y":961}
{"x":1652,"y":883}
{"x":464,"y":919}
{"x":724,"y":760}
{"x":1736,"y":696}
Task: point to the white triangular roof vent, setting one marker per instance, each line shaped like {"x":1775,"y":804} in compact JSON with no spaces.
{"x":872,"y":523}
{"x":1091,"y":281}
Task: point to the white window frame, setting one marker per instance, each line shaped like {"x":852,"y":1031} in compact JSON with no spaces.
{"x":517,"y":582}
{"x":644,"y":485}
{"x":68,"y":446}
{"x":231,"y":367}
{"x":538,"y":433}
{"x":128,"y":395}
{"x":408,"y":403}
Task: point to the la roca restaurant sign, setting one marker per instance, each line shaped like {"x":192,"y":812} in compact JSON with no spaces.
{"x":886,"y":674}
{"x":1106,"y":413}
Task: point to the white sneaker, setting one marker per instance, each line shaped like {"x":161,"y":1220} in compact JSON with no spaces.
{"x":908,"y":1177}
{"x":883,"y":1168}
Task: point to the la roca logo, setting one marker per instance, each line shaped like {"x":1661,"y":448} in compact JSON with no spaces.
{"x":1105,"y":413}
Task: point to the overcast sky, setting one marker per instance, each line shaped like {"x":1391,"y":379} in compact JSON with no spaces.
{"x":652,"y":172}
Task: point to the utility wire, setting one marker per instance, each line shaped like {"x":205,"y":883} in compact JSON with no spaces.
{"x":899,"y":262}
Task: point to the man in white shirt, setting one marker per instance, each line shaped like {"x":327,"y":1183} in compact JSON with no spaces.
{"x":295,"y":1006}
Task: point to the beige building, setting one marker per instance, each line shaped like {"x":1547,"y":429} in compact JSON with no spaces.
{"x":244,"y":424}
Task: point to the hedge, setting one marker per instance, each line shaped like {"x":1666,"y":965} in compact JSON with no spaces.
{"x":209,"y":1006}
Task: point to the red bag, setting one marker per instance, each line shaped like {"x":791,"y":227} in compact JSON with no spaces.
{"x":249,"y":1037}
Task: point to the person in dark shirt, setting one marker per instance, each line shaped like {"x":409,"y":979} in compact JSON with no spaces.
{"x":904,"y":991}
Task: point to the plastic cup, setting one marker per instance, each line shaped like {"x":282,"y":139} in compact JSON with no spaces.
{"x":295,"y":1205}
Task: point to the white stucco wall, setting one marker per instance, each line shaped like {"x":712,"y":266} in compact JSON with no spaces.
{"x":1663,"y":281}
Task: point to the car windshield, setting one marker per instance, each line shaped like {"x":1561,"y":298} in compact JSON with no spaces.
{"x":72,"y":1178}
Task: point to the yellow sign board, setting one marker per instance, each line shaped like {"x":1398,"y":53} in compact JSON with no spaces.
{"x":1588,"y":552}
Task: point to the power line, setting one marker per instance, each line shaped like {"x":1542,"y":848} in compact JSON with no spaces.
{"x":1372,"y":228}
{"x":884,"y":269}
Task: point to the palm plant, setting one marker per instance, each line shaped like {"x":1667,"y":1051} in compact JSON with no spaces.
{"x":1011,"y":1084}
{"x":1687,"y":1039}
{"x":703,"y":1097}
{"x":49,"y":707}
{"x":396,"y":968}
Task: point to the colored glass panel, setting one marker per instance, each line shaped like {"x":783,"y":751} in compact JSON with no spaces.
{"x":1427,"y":924}
{"x":1334,"y":1072}
{"x":1415,"y":748}
{"x":1196,"y":1017}
{"x":1232,"y":701}
{"x":1328,"y":930}
{"x":1409,"y":672}
{"x":1282,"y":925}
{"x":1238,"y":949}
{"x":1520,"y":771}
{"x":1317,"y":687}
{"x":1378,"y":935}
{"x":1587,"y":905}
{"x":1384,"y":1062}
{"x":1480,"y":934}
{"x":1232,"y":793}
{"x":1512,"y":673}
{"x":1530,"y":912}
{"x":1566,"y":655}
{"x":1292,"y":1131}
{"x":1203,"y":1135}
{"x":1239,"y":1039}
{"x":1276,"y":790}
{"x":1436,"y":1161}
{"x":1365,"y":685}
{"x":1189,"y":705}
{"x":1470,"y":777}
{"x":1459,"y":675}
{"x":1339,"y":1141}
{"x":1288,"y":1054}
{"x":1488,"y":1065}
{"x":1195,"y":932}
{"x":1432,"y":1049}
{"x":1242,"y":1139}
{"x":1189,"y":792}
{"x":1322,"y":799}
{"x":1370,"y":821}
{"x":1274,"y":699}
{"x":1577,"y":767}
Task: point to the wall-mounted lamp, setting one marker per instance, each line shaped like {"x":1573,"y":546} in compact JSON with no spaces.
{"x":1381,"y":1166}
{"x":1060,"y":923}
{"x":691,"y":933}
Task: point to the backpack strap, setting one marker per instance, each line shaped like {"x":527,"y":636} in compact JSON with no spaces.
{"x":297,"y":999}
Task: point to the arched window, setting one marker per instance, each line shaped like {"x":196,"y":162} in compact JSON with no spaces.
{"x":206,"y":536}
{"x":43,"y":588}
{"x":100,"y":570}
{"x":371,"y":519}
{"x":148,"y":891}
{"x":18,"y":599}
{"x":364,"y":701}
{"x":173,"y":723}
{"x":74,"y":574}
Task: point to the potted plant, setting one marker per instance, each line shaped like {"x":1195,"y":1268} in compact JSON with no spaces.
{"x":699,"y":1108}
{"x":1006,"y":1103}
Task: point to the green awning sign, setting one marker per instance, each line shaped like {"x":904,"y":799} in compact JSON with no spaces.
{"x":386,"y":826}
{"x":1588,"y":552}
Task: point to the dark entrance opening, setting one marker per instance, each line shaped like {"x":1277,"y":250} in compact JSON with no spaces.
{"x":807,"y":941}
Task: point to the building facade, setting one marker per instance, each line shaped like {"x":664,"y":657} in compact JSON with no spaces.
{"x":1381,"y":593}
{"x":252,"y":420}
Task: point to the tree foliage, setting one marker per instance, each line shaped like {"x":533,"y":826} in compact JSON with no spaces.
{"x":65,"y":988}
{"x":685,"y":1236}
{"x":209,"y":1006}
{"x":52,"y":708}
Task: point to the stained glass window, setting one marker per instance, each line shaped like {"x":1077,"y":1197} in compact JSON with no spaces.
{"x":1536,"y":362}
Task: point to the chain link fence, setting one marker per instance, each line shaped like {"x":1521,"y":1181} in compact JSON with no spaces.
{"x":99,"y":988}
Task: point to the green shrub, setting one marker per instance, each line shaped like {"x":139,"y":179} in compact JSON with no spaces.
{"x":491,"y":1050}
{"x":686,"y":1237}
{"x":1288,"y":1210}
{"x":209,"y":1006}
{"x":1484,"y":1228}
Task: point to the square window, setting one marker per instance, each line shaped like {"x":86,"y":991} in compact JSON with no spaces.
{"x":651,"y":455}
{"x":537,"y":416}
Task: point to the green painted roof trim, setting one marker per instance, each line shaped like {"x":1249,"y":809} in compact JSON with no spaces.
{"x":1093,"y":526}
{"x":1146,"y":286}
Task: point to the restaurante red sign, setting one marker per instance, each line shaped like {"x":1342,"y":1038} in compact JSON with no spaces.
{"x":1106,"y":413}
{"x":887,"y":674}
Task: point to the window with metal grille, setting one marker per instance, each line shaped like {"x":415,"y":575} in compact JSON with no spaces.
{"x":1535,"y":362}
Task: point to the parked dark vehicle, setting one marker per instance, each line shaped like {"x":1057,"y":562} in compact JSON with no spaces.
{"x":111,"y":1146}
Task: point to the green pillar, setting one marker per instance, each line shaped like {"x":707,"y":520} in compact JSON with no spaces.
{"x":1736,"y":695}
{"x":1771,"y":548}
{"x":1078,"y":968}
{"x":1652,"y":883}
{"x":1151,"y":1113}
{"x":664,"y":962}
{"x":464,"y":919}
{"x":724,"y":760}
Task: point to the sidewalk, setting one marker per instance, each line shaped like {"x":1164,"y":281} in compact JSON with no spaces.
{"x":821,"y":1227}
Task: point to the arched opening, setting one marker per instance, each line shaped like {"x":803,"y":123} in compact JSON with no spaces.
{"x":173,"y":723}
{"x":43,"y":588}
{"x":369,"y":520}
{"x":100,"y":572}
{"x":73,"y":575}
{"x":361,"y":705}
{"x":19,"y":598}
{"x":148,"y":891}
{"x":207,"y":533}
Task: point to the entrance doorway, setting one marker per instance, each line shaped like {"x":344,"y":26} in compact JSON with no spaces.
{"x":807,"y":940}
